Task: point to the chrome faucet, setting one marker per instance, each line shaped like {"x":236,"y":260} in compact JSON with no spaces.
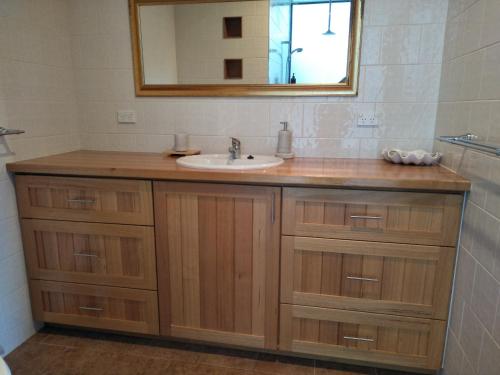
{"x":235,"y":149}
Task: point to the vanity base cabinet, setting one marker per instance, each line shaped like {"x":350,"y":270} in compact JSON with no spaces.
{"x":218,"y":262}
{"x":354,"y":275}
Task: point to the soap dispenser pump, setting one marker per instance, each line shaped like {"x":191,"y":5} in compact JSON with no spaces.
{"x":285,"y":142}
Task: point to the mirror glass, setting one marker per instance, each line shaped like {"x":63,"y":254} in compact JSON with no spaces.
{"x":266,"y":42}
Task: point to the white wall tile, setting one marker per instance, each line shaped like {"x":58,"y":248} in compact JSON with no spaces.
{"x":470,"y":83}
{"x":490,"y":77}
{"x":491,"y":31}
{"x":485,"y":296}
{"x":37,"y":94}
{"x":454,"y":356}
{"x":471,"y":336}
{"x":398,"y":44}
{"x":489,"y":363}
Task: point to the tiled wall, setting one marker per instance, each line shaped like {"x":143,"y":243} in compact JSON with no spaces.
{"x":201,"y":49}
{"x":37,"y":95}
{"x":400,"y":74}
{"x":279,"y":28}
{"x":470,"y":102}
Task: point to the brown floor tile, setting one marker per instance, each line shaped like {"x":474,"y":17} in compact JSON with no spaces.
{"x":285,"y":367}
{"x":40,"y":358}
{"x":185,"y":368}
{"x":57,"y":351}
{"x":332,"y":368}
{"x":324,"y":371}
{"x":147,"y":350}
{"x":230,"y":361}
{"x":68,"y":341}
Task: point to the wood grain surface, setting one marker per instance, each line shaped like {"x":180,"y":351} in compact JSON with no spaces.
{"x":354,"y":173}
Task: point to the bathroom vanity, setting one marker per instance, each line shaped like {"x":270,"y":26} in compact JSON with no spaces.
{"x":339,"y":258}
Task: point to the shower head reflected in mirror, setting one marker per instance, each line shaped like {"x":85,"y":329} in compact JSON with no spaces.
{"x":329,"y":31}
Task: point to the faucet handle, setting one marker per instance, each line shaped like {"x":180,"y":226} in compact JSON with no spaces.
{"x":235,"y":142}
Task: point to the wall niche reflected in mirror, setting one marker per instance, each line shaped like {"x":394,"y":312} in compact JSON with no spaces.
{"x":246,"y":47}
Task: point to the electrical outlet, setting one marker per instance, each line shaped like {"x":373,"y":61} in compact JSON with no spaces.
{"x":126,"y":117}
{"x":368,"y":119}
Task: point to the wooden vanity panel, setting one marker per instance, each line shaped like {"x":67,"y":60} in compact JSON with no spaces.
{"x":85,"y":199}
{"x":111,"y":308}
{"x":218,"y":262}
{"x":104,"y":254}
{"x":372,"y":338}
{"x":401,"y":217}
{"x":410,"y":280}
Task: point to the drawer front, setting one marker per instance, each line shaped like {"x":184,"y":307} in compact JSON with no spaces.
{"x":410,"y":280}
{"x":105,"y":254}
{"x":85,"y":199}
{"x":371,"y":338}
{"x":401,"y":217}
{"x":118,"y":309}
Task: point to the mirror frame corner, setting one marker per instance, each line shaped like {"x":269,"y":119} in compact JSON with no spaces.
{"x":244,"y":90}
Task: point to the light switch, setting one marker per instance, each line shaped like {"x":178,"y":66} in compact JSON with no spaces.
{"x":126,"y":117}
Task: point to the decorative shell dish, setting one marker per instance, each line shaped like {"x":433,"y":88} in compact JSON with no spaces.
{"x":416,"y":157}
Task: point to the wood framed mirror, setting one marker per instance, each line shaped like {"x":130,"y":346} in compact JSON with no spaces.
{"x":246,"y":47}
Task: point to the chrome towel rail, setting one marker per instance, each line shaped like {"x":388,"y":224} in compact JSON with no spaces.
{"x":4,"y":131}
{"x":469,"y":140}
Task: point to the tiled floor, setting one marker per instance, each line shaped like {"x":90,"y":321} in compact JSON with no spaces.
{"x":57,"y":351}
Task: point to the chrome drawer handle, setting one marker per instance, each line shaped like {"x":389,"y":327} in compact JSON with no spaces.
{"x":81,"y":201}
{"x":88,"y":255}
{"x":358,"y":339}
{"x":86,"y":308}
{"x":362,"y":278}
{"x":362,"y":217}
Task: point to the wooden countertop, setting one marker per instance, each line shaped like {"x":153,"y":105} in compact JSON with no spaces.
{"x":354,"y":173}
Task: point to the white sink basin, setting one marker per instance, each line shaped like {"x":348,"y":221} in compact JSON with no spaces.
{"x":221,"y":161}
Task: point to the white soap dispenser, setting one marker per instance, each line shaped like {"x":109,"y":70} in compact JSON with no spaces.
{"x":285,"y":142}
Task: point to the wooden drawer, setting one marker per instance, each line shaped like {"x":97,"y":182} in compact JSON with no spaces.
{"x":85,"y":199}
{"x":105,"y":254}
{"x":371,"y":338}
{"x":402,"y":217}
{"x":117,"y":309}
{"x":411,"y":280}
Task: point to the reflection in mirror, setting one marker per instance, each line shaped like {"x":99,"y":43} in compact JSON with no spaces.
{"x":308,"y":41}
{"x":287,"y":43}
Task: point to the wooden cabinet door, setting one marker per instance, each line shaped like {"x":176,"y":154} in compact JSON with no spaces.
{"x":218,"y":262}
{"x":385,"y":216}
{"x":371,"y":338}
{"x":96,"y":200}
{"x":103,"y":307}
{"x":387,"y":278}
{"x":91,"y":253}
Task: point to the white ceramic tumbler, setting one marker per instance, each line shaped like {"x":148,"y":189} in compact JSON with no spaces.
{"x":181,"y":142}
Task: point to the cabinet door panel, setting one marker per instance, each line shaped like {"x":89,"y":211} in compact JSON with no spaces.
{"x":399,"y":279}
{"x":376,"y":338}
{"x":85,"y":199}
{"x":218,"y":262}
{"x":104,"y":254}
{"x":103,"y":307}
{"x":401,"y":217}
